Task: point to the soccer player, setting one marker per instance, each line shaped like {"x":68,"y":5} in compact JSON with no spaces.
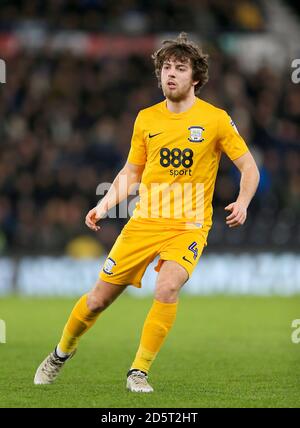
{"x":174,"y":157}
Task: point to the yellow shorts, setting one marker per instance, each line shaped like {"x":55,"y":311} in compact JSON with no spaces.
{"x":140,"y":242}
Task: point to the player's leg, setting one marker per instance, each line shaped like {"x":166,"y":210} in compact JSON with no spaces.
{"x":85,"y":313}
{"x":158,"y":323}
{"x":82,"y":318}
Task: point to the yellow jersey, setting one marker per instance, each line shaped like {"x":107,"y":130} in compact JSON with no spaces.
{"x":181,"y":153}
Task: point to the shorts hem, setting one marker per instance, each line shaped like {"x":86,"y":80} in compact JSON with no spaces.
{"x":135,"y":284}
{"x":160,"y":262}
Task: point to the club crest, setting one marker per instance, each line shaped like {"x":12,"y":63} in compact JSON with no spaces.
{"x":109,"y":264}
{"x":196,"y":134}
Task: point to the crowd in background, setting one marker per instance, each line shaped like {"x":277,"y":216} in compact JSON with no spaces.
{"x":135,"y":16}
{"x":66,"y":124}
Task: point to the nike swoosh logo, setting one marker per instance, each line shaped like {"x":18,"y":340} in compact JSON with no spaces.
{"x":154,"y":135}
{"x":186,"y":260}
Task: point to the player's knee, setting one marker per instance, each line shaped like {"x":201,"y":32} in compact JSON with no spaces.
{"x":166,"y":292}
{"x":97,"y":303}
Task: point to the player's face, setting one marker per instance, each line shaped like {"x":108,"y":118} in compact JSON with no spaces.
{"x":176,"y":79}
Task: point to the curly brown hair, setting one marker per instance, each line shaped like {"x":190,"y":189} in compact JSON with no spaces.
{"x":183,"y":50}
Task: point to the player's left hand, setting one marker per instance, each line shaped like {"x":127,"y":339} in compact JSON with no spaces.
{"x":238,"y":214}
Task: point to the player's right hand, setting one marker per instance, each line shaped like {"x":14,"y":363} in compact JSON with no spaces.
{"x":91,"y":219}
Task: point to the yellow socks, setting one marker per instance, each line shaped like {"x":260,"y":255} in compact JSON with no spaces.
{"x":157,"y":325}
{"x":81,"y":319}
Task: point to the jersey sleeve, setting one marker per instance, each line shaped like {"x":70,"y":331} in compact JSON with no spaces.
{"x":229,"y":139}
{"x":137,"y":153}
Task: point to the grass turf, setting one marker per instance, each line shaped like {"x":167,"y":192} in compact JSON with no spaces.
{"x":222,"y":352}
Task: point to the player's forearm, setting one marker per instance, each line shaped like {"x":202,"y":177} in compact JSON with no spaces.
{"x":248,"y":184}
{"x":118,"y":191}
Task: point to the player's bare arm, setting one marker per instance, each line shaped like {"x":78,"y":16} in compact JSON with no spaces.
{"x":129,"y":175}
{"x":248,"y":185}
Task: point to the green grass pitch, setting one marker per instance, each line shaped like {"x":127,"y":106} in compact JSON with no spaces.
{"x":222,"y":352}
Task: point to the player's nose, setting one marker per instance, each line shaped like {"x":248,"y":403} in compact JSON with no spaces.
{"x":171,"y":76}
{"x":171,"y":72}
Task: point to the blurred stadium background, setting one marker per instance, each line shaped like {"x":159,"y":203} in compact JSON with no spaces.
{"x":77,"y":73}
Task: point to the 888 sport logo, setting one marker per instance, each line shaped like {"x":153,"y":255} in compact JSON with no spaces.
{"x":177,"y":158}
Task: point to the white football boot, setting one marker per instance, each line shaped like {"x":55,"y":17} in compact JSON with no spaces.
{"x":137,"y":381}
{"x":49,"y":369}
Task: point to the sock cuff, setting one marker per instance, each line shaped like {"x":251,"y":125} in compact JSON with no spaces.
{"x":82,"y":311}
{"x":81,"y":308}
{"x":169,"y":308}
